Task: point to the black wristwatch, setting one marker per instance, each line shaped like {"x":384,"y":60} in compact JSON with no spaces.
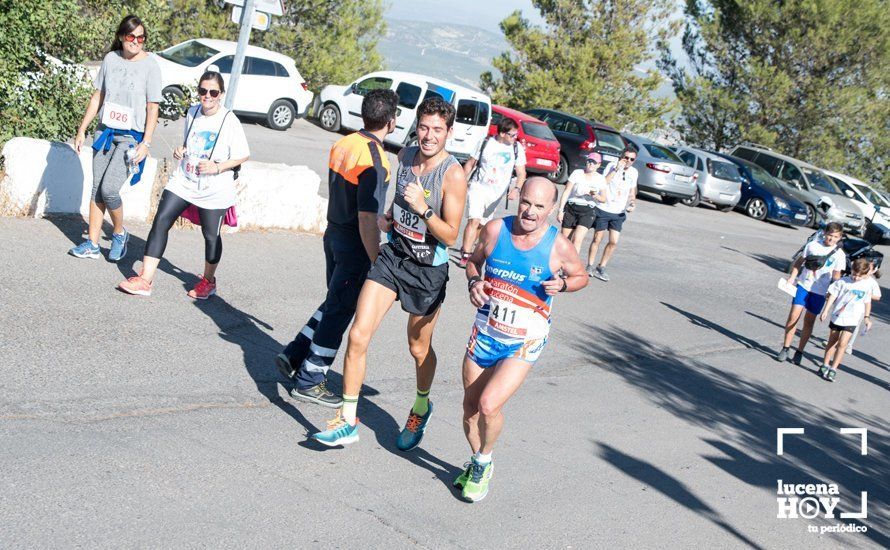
{"x":428,"y":214}
{"x":565,"y":284}
{"x":472,"y":281}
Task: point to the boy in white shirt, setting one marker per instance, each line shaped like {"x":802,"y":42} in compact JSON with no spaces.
{"x":849,"y":301}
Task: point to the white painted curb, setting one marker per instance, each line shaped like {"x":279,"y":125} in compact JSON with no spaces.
{"x":45,"y":177}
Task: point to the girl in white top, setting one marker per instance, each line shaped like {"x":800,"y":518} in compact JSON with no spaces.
{"x":584,"y":190}
{"x":849,"y":302}
{"x":214,"y":145}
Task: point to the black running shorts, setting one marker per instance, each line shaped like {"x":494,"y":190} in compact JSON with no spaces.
{"x":578,"y":214}
{"x":420,"y":288}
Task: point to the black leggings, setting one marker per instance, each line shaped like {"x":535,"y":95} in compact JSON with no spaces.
{"x":170,"y":208}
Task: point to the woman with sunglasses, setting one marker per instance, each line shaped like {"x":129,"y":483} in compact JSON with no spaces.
{"x":214,"y":145}
{"x":583,"y":190}
{"x":126,"y":97}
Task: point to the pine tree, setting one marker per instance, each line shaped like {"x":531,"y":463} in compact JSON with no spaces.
{"x":585,"y":60}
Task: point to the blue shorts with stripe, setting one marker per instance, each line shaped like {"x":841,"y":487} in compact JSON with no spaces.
{"x":487,"y":351}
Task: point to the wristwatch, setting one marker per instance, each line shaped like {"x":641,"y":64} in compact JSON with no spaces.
{"x":565,"y":284}
{"x":428,"y":214}
{"x":472,"y":281}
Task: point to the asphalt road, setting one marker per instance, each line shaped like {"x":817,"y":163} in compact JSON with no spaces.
{"x":651,"y":416}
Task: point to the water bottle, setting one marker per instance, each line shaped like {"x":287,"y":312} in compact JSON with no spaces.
{"x":132,"y":165}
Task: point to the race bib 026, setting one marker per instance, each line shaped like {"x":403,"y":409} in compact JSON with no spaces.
{"x":408,"y":224}
{"x":119,"y":117}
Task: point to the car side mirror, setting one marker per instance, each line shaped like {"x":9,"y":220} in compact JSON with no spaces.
{"x":353,"y":89}
{"x":849,"y":193}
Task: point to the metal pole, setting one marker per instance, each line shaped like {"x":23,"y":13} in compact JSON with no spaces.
{"x":243,"y":39}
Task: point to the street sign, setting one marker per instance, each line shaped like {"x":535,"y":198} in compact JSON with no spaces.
{"x":261,"y":21}
{"x":272,"y":7}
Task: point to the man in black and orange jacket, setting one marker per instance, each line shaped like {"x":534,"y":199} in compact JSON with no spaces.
{"x":358,"y":177}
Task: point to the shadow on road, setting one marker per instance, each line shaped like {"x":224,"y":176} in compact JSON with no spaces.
{"x":773,"y":262}
{"x":744,"y":414}
{"x":700,"y":321}
{"x":666,"y":485}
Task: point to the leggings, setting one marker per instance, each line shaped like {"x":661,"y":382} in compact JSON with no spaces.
{"x":170,"y":208}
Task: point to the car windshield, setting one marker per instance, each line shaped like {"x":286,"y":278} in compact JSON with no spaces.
{"x":538,"y":130}
{"x":190,"y":54}
{"x":662,"y":153}
{"x":724,"y":170}
{"x":609,"y":140}
{"x":820,"y":182}
{"x":871,"y":195}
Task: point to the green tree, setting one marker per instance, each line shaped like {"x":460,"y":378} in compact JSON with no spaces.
{"x":39,"y":97}
{"x":808,"y":77}
{"x":585,"y":60}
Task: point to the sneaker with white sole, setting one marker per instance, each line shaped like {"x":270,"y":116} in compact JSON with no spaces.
{"x":339,"y":432}
{"x":137,"y":286}
{"x":118,"y":246}
{"x":203,"y":289}
{"x":86,"y":249}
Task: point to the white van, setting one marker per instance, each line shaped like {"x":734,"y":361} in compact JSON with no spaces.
{"x":341,"y":107}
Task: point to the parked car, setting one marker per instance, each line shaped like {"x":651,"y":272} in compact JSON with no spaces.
{"x":764,"y":197}
{"x":802,"y":176}
{"x":541,"y":146}
{"x":719,"y":182}
{"x":874,"y":207}
{"x":578,"y":136}
{"x":661,"y":171}
{"x":341,"y":107}
{"x":270,"y":85}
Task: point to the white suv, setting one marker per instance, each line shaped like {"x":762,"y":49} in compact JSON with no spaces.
{"x":341,"y":107}
{"x":270,"y":85}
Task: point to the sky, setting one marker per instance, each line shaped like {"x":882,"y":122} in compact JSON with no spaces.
{"x":486,"y":14}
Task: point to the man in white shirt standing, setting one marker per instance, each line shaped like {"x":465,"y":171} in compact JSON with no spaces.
{"x":621,"y":191}
{"x":489,"y":172}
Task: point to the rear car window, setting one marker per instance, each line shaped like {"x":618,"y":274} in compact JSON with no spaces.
{"x":744,"y":153}
{"x":661,"y":153}
{"x":472,"y":112}
{"x":190,"y":54}
{"x":820,"y":182}
{"x":261,"y":67}
{"x":768,"y":163}
{"x":760,"y":176}
{"x":572,"y":127}
{"x":687,"y":157}
{"x":224,"y":64}
{"x":724,"y":170}
{"x":608,"y":140}
{"x":538,"y":130}
{"x":409,"y":95}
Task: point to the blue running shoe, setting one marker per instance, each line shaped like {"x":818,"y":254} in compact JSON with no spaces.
{"x":118,"y":246}
{"x":86,"y":249}
{"x":411,"y":435}
{"x":339,"y":432}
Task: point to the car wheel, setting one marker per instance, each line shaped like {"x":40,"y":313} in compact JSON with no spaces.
{"x":692,"y":201}
{"x":756,"y":208}
{"x":281,"y":115}
{"x":561,"y":174}
{"x":811,"y":217}
{"x":174,"y":101}
{"x":329,"y":118}
{"x":725,"y":208}
{"x":670,"y":201}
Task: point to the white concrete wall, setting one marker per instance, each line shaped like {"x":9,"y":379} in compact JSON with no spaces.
{"x":45,"y":177}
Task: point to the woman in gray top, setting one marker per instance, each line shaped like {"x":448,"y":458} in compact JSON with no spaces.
{"x":126,"y":97}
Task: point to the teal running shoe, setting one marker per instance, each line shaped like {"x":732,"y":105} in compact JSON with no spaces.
{"x":86,"y":249}
{"x":118,"y":246}
{"x":476,"y":487}
{"x":412,"y":434}
{"x":339,"y":432}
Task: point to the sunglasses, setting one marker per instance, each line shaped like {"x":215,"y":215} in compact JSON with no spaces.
{"x":592,"y":161}
{"x":513,"y":134}
{"x":630,"y":158}
{"x":205,"y":91}
{"x":133,"y":38}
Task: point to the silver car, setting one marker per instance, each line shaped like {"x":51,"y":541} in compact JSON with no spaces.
{"x":719,"y":182}
{"x":802,"y":176}
{"x":661,"y":171}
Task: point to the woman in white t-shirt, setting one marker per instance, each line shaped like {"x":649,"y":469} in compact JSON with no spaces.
{"x":849,"y":302}
{"x":583,"y":190}
{"x":822,"y":262}
{"x":214,"y":146}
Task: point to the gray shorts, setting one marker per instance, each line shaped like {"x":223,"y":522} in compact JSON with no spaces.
{"x":110,"y":172}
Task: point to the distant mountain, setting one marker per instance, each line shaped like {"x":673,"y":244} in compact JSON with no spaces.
{"x":456,"y":53}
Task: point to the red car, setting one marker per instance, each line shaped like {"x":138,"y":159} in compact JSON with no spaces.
{"x":541,"y":146}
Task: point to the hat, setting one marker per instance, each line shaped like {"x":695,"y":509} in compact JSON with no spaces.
{"x":594,"y":156}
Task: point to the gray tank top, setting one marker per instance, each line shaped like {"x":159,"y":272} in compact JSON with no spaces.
{"x":410,"y":235}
